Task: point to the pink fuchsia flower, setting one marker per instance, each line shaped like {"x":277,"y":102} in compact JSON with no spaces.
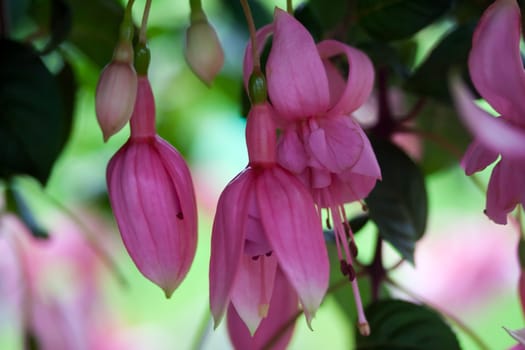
{"x":152,"y":197}
{"x":320,"y":142}
{"x":116,"y":91}
{"x":496,"y":70}
{"x":282,"y":309}
{"x":265,"y":221}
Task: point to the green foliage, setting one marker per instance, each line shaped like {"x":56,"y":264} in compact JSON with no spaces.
{"x":397,"y":325}
{"x":33,"y":123}
{"x":95,"y":27}
{"x":60,"y":24}
{"x":398,"y":19}
{"x":446,"y":138}
{"x":398,"y":203}
{"x":452,"y":52}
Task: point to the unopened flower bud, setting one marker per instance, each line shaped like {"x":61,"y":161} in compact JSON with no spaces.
{"x":116,"y":92}
{"x":203,"y":51}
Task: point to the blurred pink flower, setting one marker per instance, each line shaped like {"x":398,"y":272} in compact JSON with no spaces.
{"x":496,"y":69}
{"x":152,"y":197}
{"x":320,"y":142}
{"x":476,"y":250}
{"x":265,"y":221}
{"x":55,"y":283}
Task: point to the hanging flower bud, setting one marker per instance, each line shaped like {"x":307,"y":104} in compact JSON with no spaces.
{"x":203,"y":51}
{"x":117,"y":87}
{"x":151,"y":193}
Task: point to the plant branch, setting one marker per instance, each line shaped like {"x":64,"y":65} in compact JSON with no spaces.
{"x":144,"y":25}
{"x":252,"y":30}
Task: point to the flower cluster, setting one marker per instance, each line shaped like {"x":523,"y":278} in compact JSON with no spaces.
{"x":267,"y":244}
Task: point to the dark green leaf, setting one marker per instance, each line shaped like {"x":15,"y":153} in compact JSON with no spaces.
{"x":32,"y":128}
{"x":329,"y":13}
{"x":445,"y":137}
{"x":303,"y":13}
{"x":67,"y":86}
{"x":430,"y":79}
{"x":96,"y":26}
{"x":398,"y":203}
{"x":60,"y":25}
{"x":397,"y":324}
{"x":398,"y":19}
{"x":30,"y":341}
{"x":358,"y":222}
{"x":16,"y":10}
{"x":16,"y":203}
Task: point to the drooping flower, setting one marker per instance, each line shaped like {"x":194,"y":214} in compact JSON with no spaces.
{"x":496,"y":70}
{"x":153,"y":200}
{"x":265,"y":221}
{"x":282,"y":309}
{"x":320,"y":142}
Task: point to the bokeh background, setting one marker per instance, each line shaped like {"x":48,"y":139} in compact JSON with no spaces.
{"x":464,"y":265}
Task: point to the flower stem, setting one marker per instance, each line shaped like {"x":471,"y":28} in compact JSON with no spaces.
{"x":144,"y":25}
{"x":289,"y":7}
{"x":459,"y":323}
{"x":251,"y":29}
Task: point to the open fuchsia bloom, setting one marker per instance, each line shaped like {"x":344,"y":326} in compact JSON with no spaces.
{"x":496,"y":70}
{"x":153,"y":200}
{"x":266,"y":225}
{"x":320,"y":142}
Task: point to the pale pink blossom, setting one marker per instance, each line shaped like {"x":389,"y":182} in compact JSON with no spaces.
{"x":496,"y":69}
{"x":153,"y":200}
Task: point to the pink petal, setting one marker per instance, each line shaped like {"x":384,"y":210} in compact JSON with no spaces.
{"x":506,"y":189}
{"x":227,"y":242}
{"x":290,"y":151}
{"x":497,"y":134}
{"x":253,"y":289}
{"x":298,"y":244}
{"x":360,"y":79}
{"x":495,"y":64}
{"x":336,"y":83}
{"x":283,"y":308}
{"x":297,"y":82}
{"x":260,"y":38}
{"x":335,"y":143}
{"x":367,"y":163}
{"x":477,"y":157}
